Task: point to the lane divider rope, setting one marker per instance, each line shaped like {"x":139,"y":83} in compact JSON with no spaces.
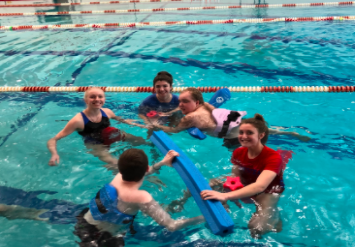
{"x":239,"y":89}
{"x":289,"y":5}
{"x":120,"y":11}
{"x":89,"y":3}
{"x":174,"y":23}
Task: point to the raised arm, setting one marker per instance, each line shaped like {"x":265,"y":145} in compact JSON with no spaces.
{"x":154,"y":210}
{"x":263,"y":181}
{"x":73,"y":125}
{"x":167,"y":161}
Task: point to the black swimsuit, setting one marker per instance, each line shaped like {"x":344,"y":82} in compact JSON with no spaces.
{"x":92,"y":131}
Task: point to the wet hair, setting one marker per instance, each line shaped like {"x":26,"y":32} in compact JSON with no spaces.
{"x":195,"y":94}
{"x":163,"y":76}
{"x":260,"y":124}
{"x":133,"y":164}
{"x":89,"y":90}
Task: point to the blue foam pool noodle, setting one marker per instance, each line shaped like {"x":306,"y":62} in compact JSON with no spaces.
{"x":216,"y":216}
{"x":220,"y":97}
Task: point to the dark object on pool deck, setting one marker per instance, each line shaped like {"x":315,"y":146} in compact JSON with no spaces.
{"x":216,"y":216}
{"x":60,"y":211}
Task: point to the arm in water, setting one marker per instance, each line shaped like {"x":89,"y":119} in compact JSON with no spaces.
{"x":154,"y":210}
{"x":73,"y":125}
{"x":12,"y":212}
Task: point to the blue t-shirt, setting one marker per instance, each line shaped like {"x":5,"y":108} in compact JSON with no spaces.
{"x":152,"y":103}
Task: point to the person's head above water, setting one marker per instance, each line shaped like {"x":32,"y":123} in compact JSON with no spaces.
{"x":133,"y":164}
{"x":253,"y":130}
{"x":94,"y":97}
{"x":190,"y":99}
{"x":163,"y":85}
{"x":163,"y":76}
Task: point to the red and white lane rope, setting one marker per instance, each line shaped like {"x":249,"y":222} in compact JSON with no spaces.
{"x":239,"y":89}
{"x":289,"y":5}
{"x":175,"y":23}
{"x":89,"y":3}
{"x":120,"y":11}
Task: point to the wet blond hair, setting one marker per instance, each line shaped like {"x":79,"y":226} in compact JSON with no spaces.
{"x":89,"y":90}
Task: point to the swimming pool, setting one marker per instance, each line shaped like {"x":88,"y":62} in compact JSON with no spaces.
{"x":317,"y":207}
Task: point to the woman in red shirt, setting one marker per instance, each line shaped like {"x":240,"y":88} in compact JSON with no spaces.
{"x":260,"y":170}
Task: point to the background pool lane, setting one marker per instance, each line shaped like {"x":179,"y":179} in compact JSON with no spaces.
{"x":310,"y":53}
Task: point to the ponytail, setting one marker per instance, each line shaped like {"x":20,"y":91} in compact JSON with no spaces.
{"x":260,"y":124}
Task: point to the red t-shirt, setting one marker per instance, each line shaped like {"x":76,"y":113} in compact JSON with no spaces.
{"x":250,"y":169}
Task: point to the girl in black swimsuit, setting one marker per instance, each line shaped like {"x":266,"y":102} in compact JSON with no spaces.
{"x":94,"y":125}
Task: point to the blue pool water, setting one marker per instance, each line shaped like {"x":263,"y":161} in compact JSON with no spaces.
{"x":317,"y":207}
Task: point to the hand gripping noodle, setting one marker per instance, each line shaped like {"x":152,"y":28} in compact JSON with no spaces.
{"x":218,"y":99}
{"x":232,"y":184}
{"x":216,"y":216}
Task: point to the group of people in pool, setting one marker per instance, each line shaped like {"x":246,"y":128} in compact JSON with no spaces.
{"x":114,"y":207}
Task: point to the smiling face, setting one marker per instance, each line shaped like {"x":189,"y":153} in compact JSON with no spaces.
{"x":249,"y":136}
{"x":94,"y":98}
{"x":187,"y":104}
{"x":162,"y":89}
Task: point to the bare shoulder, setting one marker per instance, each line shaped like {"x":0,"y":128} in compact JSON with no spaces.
{"x":209,"y":106}
{"x":136,"y":197}
{"x":189,"y":117}
{"x":143,"y":197}
{"x":77,"y":119}
{"x":188,"y":120}
{"x":109,"y":112}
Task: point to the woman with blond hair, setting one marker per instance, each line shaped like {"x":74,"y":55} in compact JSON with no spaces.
{"x":93,"y":124}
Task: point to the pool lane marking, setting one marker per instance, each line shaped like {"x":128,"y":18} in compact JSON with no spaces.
{"x":173,"y":23}
{"x":240,"y":89}
{"x":120,"y":11}
{"x":251,"y":6}
{"x":90,"y":3}
{"x":228,"y":68}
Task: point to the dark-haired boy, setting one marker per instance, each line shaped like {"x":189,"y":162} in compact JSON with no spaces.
{"x":115,"y":206}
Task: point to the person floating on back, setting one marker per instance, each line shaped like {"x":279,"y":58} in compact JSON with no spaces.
{"x":206,"y":117}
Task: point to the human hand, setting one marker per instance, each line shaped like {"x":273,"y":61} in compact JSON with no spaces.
{"x":133,"y":122}
{"x":168,"y":159}
{"x":211,"y":194}
{"x":54,"y":160}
